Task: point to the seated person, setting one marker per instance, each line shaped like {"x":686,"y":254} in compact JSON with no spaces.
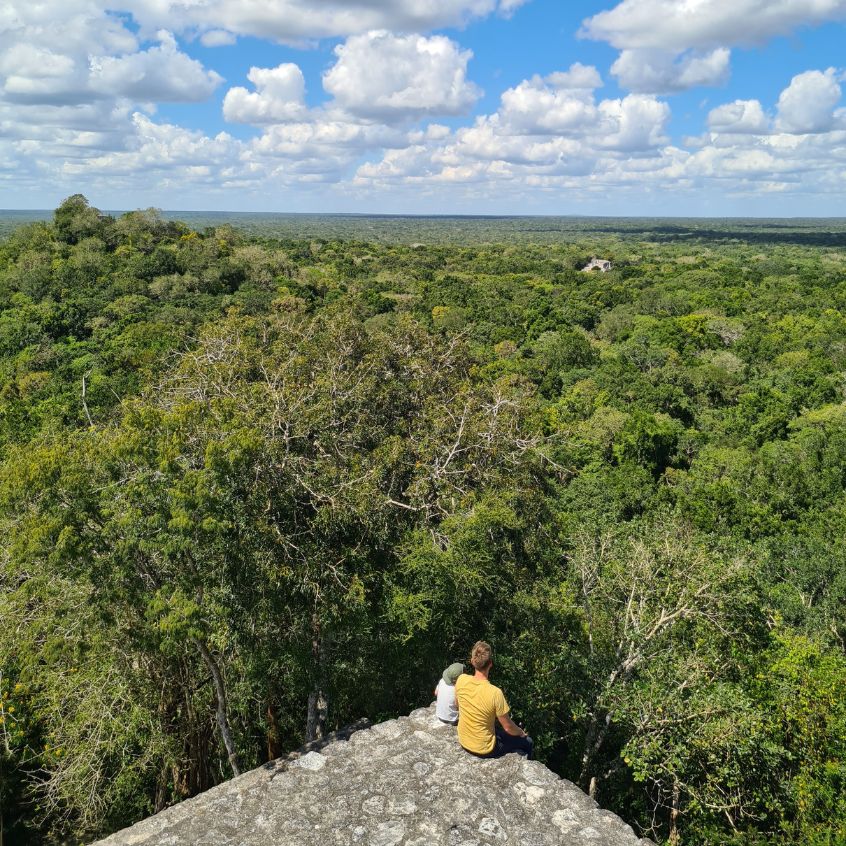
{"x":485,"y":727}
{"x":446,"y":707}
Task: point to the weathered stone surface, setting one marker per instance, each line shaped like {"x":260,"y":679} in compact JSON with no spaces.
{"x":401,"y":783}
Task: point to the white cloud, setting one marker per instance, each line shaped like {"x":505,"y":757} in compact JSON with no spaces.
{"x":34,"y":62}
{"x":159,"y":74}
{"x":635,"y":123}
{"x":544,"y":133}
{"x":507,"y":8}
{"x":32,"y":73}
{"x":292,"y":21}
{"x":741,"y":116}
{"x":382,"y":75}
{"x":76,"y":81}
{"x":653,"y":71}
{"x":73,"y":27}
{"x":808,"y":103}
{"x":578,"y":77}
{"x":670,"y":45}
{"x":71,"y":76}
{"x":217,"y":38}
{"x":157,"y":147}
{"x":704,"y":24}
{"x":324,"y":137}
{"x":76,"y":53}
{"x":621,"y":147}
{"x":279,"y":96}
{"x":102,"y":125}
{"x":46,"y":49}
{"x":379,"y":83}
{"x":540,"y":107}
{"x":323,"y":147}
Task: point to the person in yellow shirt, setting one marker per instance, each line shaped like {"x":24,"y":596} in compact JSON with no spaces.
{"x":485,"y":727}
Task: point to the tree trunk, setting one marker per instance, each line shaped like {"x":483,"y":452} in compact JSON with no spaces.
{"x":674,"y":816}
{"x":161,"y":789}
{"x":598,"y":729}
{"x":274,"y":745}
{"x":318,"y":705}
{"x":593,"y":743}
{"x":222,"y":716}
{"x":316,"y":718}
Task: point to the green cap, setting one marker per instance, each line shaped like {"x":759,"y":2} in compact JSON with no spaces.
{"x":452,"y":672}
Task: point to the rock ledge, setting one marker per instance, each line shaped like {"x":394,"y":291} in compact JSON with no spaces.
{"x":405,"y":782}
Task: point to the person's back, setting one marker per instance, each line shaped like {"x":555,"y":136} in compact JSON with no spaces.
{"x":479,"y":705}
{"x":485,"y":727}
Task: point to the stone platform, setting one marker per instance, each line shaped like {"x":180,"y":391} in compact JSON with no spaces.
{"x":405,"y":782}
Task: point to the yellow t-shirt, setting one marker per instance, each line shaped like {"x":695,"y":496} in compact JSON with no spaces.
{"x":479,"y":704}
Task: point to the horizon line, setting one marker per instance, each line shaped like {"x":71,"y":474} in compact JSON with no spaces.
{"x":448,"y":215}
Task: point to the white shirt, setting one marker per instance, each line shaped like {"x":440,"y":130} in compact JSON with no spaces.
{"x":446,"y":708}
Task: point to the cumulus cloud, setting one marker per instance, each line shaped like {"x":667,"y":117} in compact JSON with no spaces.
{"x":322,"y":148}
{"x":161,"y":147}
{"x":546,"y":129}
{"x":549,"y":106}
{"x":382,"y":75}
{"x":32,"y":73}
{"x":279,"y":96}
{"x":159,"y":74}
{"x":800,"y":151}
{"x":292,"y":21}
{"x":71,"y":77}
{"x":741,"y":116}
{"x":809,"y":102}
{"x":578,"y":77}
{"x":30,"y":61}
{"x":76,"y":53}
{"x":621,"y":145}
{"x":217,"y":38}
{"x":540,"y":106}
{"x":808,"y":105}
{"x":705,"y":24}
{"x":668,"y":46}
{"x":635,"y":123}
{"x":379,"y":83}
{"x":652,"y":71}
{"x":53,"y":128}
{"x":72,"y":28}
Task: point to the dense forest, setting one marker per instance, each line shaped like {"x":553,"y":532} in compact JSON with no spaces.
{"x":256,"y":486}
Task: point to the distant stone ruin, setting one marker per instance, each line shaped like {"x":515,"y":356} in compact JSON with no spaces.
{"x":597,"y":264}
{"x":405,"y":782}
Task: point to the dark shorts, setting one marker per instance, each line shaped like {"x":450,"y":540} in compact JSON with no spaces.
{"x":506,"y":743}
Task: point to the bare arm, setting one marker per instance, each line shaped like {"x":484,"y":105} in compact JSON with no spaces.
{"x":510,"y":726}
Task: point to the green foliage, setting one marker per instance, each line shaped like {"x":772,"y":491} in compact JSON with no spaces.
{"x":252,"y":488}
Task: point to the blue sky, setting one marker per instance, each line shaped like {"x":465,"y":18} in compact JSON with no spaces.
{"x":663,"y":107}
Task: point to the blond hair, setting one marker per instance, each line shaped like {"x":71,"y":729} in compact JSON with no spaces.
{"x":481,"y":656}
